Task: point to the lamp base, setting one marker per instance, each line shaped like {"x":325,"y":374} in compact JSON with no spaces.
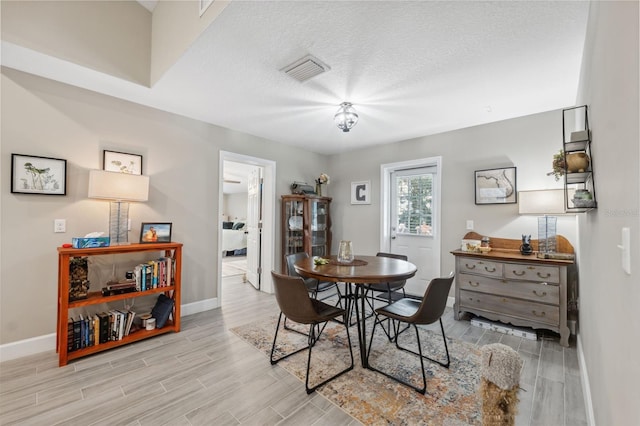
{"x":118,"y":223}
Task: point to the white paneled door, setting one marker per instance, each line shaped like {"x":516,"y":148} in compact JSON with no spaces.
{"x":254,"y":227}
{"x":413,"y":224}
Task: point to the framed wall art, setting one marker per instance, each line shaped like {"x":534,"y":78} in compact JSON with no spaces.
{"x":496,"y":186}
{"x":113,"y":161}
{"x":31,"y":174}
{"x":155,"y":232}
{"x":361,"y":192}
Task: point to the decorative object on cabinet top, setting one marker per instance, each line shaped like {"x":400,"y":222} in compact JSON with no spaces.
{"x":302,"y":188}
{"x":502,"y":248}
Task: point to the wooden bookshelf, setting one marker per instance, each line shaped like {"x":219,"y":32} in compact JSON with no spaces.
{"x":173,"y":250}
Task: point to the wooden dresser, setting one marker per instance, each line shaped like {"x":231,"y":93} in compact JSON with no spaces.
{"x":504,"y":285}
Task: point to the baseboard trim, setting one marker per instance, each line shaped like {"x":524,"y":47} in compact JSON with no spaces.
{"x":586,"y":387}
{"x":199,"y":306}
{"x":39,"y":344}
{"x":26,"y":347}
{"x":451,"y":301}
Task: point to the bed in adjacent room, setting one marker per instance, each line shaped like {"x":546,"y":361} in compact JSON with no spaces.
{"x":234,"y":238}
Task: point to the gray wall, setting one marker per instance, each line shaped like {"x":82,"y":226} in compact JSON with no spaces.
{"x":609,"y":298}
{"x":527,"y":143}
{"x":181,"y":156}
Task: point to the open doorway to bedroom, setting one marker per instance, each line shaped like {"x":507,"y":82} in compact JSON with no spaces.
{"x":246,"y":210}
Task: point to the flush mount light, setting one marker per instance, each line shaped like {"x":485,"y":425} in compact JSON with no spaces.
{"x":346,"y":117}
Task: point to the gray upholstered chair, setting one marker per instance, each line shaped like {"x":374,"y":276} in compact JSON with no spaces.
{"x":296,"y":305}
{"x":413,"y":312}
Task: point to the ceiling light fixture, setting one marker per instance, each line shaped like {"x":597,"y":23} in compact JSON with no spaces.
{"x":346,"y":117}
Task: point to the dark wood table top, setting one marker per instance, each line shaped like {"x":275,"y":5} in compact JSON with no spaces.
{"x":376,"y":270}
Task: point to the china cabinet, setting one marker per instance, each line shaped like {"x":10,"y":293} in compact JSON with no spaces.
{"x":306,"y":226}
{"x":579,"y":185}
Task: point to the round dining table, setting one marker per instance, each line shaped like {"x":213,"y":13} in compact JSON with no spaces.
{"x":362,"y":270}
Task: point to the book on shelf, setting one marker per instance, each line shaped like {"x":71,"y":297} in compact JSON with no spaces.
{"x":70,"y":347}
{"x":104,"y":327}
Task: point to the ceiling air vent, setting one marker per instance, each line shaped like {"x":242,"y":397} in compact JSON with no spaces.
{"x":305,"y":68}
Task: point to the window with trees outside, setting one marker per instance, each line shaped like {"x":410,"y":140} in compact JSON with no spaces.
{"x":415,"y":204}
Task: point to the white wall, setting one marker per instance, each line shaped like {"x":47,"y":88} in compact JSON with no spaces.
{"x":236,"y":206}
{"x":609,"y":298}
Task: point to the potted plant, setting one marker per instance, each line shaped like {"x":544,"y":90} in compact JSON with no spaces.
{"x":558,"y":165}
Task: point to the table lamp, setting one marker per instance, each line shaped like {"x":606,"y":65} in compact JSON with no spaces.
{"x":119,"y":188}
{"x":544,"y":202}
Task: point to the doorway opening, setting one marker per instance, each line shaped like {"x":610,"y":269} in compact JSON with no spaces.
{"x":246,"y":189}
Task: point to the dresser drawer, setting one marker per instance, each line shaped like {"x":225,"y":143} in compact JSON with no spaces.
{"x":538,"y":312}
{"x":541,"y":273}
{"x":481,"y":267}
{"x":533,"y":291}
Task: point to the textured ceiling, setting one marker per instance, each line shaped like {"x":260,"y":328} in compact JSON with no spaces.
{"x":410,"y":68}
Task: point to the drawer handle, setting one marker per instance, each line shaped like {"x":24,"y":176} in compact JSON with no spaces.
{"x":542,"y":314}
{"x":544,"y":293}
{"x":489,"y":270}
{"x":547,"y":275}
{"x":470,"y":267}
{"x":472,"y":284}
{"x":531,"y":267}
{"x":519,"y":274}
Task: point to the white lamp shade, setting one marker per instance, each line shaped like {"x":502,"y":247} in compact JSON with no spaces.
{"x":545,"y":201}
{"x":118,"y":186}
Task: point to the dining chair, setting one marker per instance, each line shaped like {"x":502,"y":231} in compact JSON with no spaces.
{"x":390,"y":289}
{"x":313,"y":285}
{"x":414,"y":312}
{"x":296,"y":304}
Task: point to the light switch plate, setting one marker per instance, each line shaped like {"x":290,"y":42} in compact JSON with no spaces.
{"x":626,"y":250}
{"x":59,"y":225}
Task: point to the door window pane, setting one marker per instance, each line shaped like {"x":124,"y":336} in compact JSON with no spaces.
{"x":414,"y":204}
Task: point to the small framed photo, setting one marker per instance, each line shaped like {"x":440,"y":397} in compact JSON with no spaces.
{"x":361,"y":192}
{"x":496,"y":186}
{"x":155,"y":232}
{"x":38,"y":175}
{"x":122,"y":162}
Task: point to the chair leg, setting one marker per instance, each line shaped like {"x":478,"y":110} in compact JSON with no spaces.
{"x":420,"y":355}
{"x":275,"y":337}
{"x":313,"y":338}
{"x":446,"y":348}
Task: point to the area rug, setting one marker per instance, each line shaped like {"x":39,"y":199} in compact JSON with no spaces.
{"x":370,"y":397}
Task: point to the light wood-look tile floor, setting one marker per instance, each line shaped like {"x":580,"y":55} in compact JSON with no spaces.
{"x":205,"y":375}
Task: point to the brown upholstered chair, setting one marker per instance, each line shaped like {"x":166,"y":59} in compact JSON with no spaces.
{"x":296,"y":305}
{"x":389,"y":289}
{"x":313,"y":285}
{"x":413,"y":312}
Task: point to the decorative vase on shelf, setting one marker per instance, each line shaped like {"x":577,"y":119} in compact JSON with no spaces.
{"x":319,"y":189}
{"x":577,"y":162}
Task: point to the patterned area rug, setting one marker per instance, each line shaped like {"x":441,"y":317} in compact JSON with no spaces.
{"x":370,"y":397}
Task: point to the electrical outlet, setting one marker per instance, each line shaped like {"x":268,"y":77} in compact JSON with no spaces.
{"x":470,"y":225}
{"x":60,"y":225}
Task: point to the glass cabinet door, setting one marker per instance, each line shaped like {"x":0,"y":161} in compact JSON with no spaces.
{"x":293,"y":225}
{"x":319,"y":227}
